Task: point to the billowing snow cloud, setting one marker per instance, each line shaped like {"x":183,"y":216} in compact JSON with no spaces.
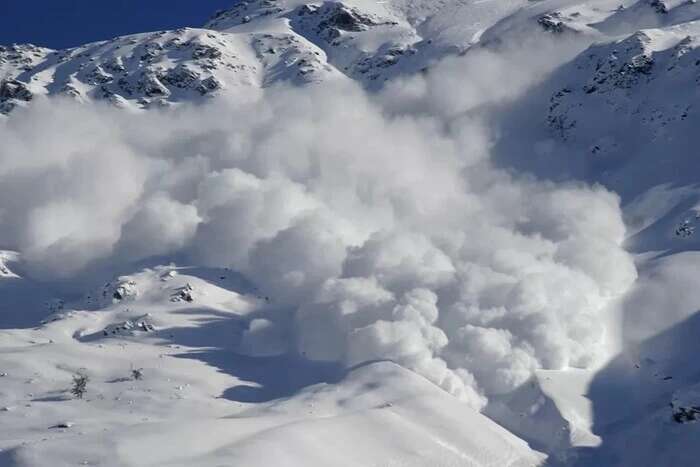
{"x":377,"y":220}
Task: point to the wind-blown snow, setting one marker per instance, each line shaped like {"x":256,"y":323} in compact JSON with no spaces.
{"x":385,"y":232}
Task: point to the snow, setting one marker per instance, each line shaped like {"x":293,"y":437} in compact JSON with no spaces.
{"x":185,"y":396}
{"x":412,"y":232}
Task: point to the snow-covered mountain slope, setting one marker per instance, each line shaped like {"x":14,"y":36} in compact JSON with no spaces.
{"x":645,"y":81}
{"x":255,"y":43}
{"x":157,"y":69}
{"x":263,"y":42}
{"x":190,"y":403}
{"x":622,"y":112}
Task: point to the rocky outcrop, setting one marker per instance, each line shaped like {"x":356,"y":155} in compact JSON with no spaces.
{"x":331,"y":20}
{"x":555,"y":23}
{"x":631,"y":80}
{"x":17,"y":58}
{"x":130,"y":327}
{"x":244,"y":12}
{"x":11,"y":93}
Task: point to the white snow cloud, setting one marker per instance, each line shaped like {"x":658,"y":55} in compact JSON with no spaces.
{"x":379,"y":218}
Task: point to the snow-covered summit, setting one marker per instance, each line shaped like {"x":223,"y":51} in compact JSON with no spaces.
{"x":162,"y":68}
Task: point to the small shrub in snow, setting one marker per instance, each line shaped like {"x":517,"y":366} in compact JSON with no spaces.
{"x":685,"y":229}
{"x":79,"y":388}
{"x":137,"y":374}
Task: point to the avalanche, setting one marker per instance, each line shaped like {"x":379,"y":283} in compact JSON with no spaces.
{"x":354,"y":233}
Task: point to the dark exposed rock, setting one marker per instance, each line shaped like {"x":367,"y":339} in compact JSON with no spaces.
{"x":181,"y":76}
{"x":346,"y":19}
{"x":243,"y":12}
{"x":99,"y":76}
{"x":551,"y":22}
{"x":208,"y":85}
{"x":124,"y":85}
{"x":151,"y":50}
{"x":685,"y":414}
{"x":22,"y":56}
{"x":118,"y":291}
{"x":130,"y":327}
{"x":206,"y":52}
{"x":332,"y":19}
{"x":388,"y":58}
{"x":114,"y":65}
{"x":183,"y":294}
{"x":13,"y":89}
{"x":12,"y":92}
{"x":659,"y":6}
{"x":151,"y":86}
{"x":685,"y":229}
{"x":70,"y":91}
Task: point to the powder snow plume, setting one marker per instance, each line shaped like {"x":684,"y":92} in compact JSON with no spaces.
{"x":376,"y":222}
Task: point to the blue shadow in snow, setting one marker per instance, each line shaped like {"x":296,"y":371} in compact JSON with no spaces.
{"x":634,"y":388}
{"x":214,"y":342}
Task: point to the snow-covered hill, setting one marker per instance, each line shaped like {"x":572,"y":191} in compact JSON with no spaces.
{"x":177,"y":328}
{"x":359,"y":225}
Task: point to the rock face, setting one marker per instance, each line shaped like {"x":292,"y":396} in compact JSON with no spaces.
{"x":16,"y":60}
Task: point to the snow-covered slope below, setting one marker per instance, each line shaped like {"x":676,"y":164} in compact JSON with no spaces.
{"x":166,"y":388}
